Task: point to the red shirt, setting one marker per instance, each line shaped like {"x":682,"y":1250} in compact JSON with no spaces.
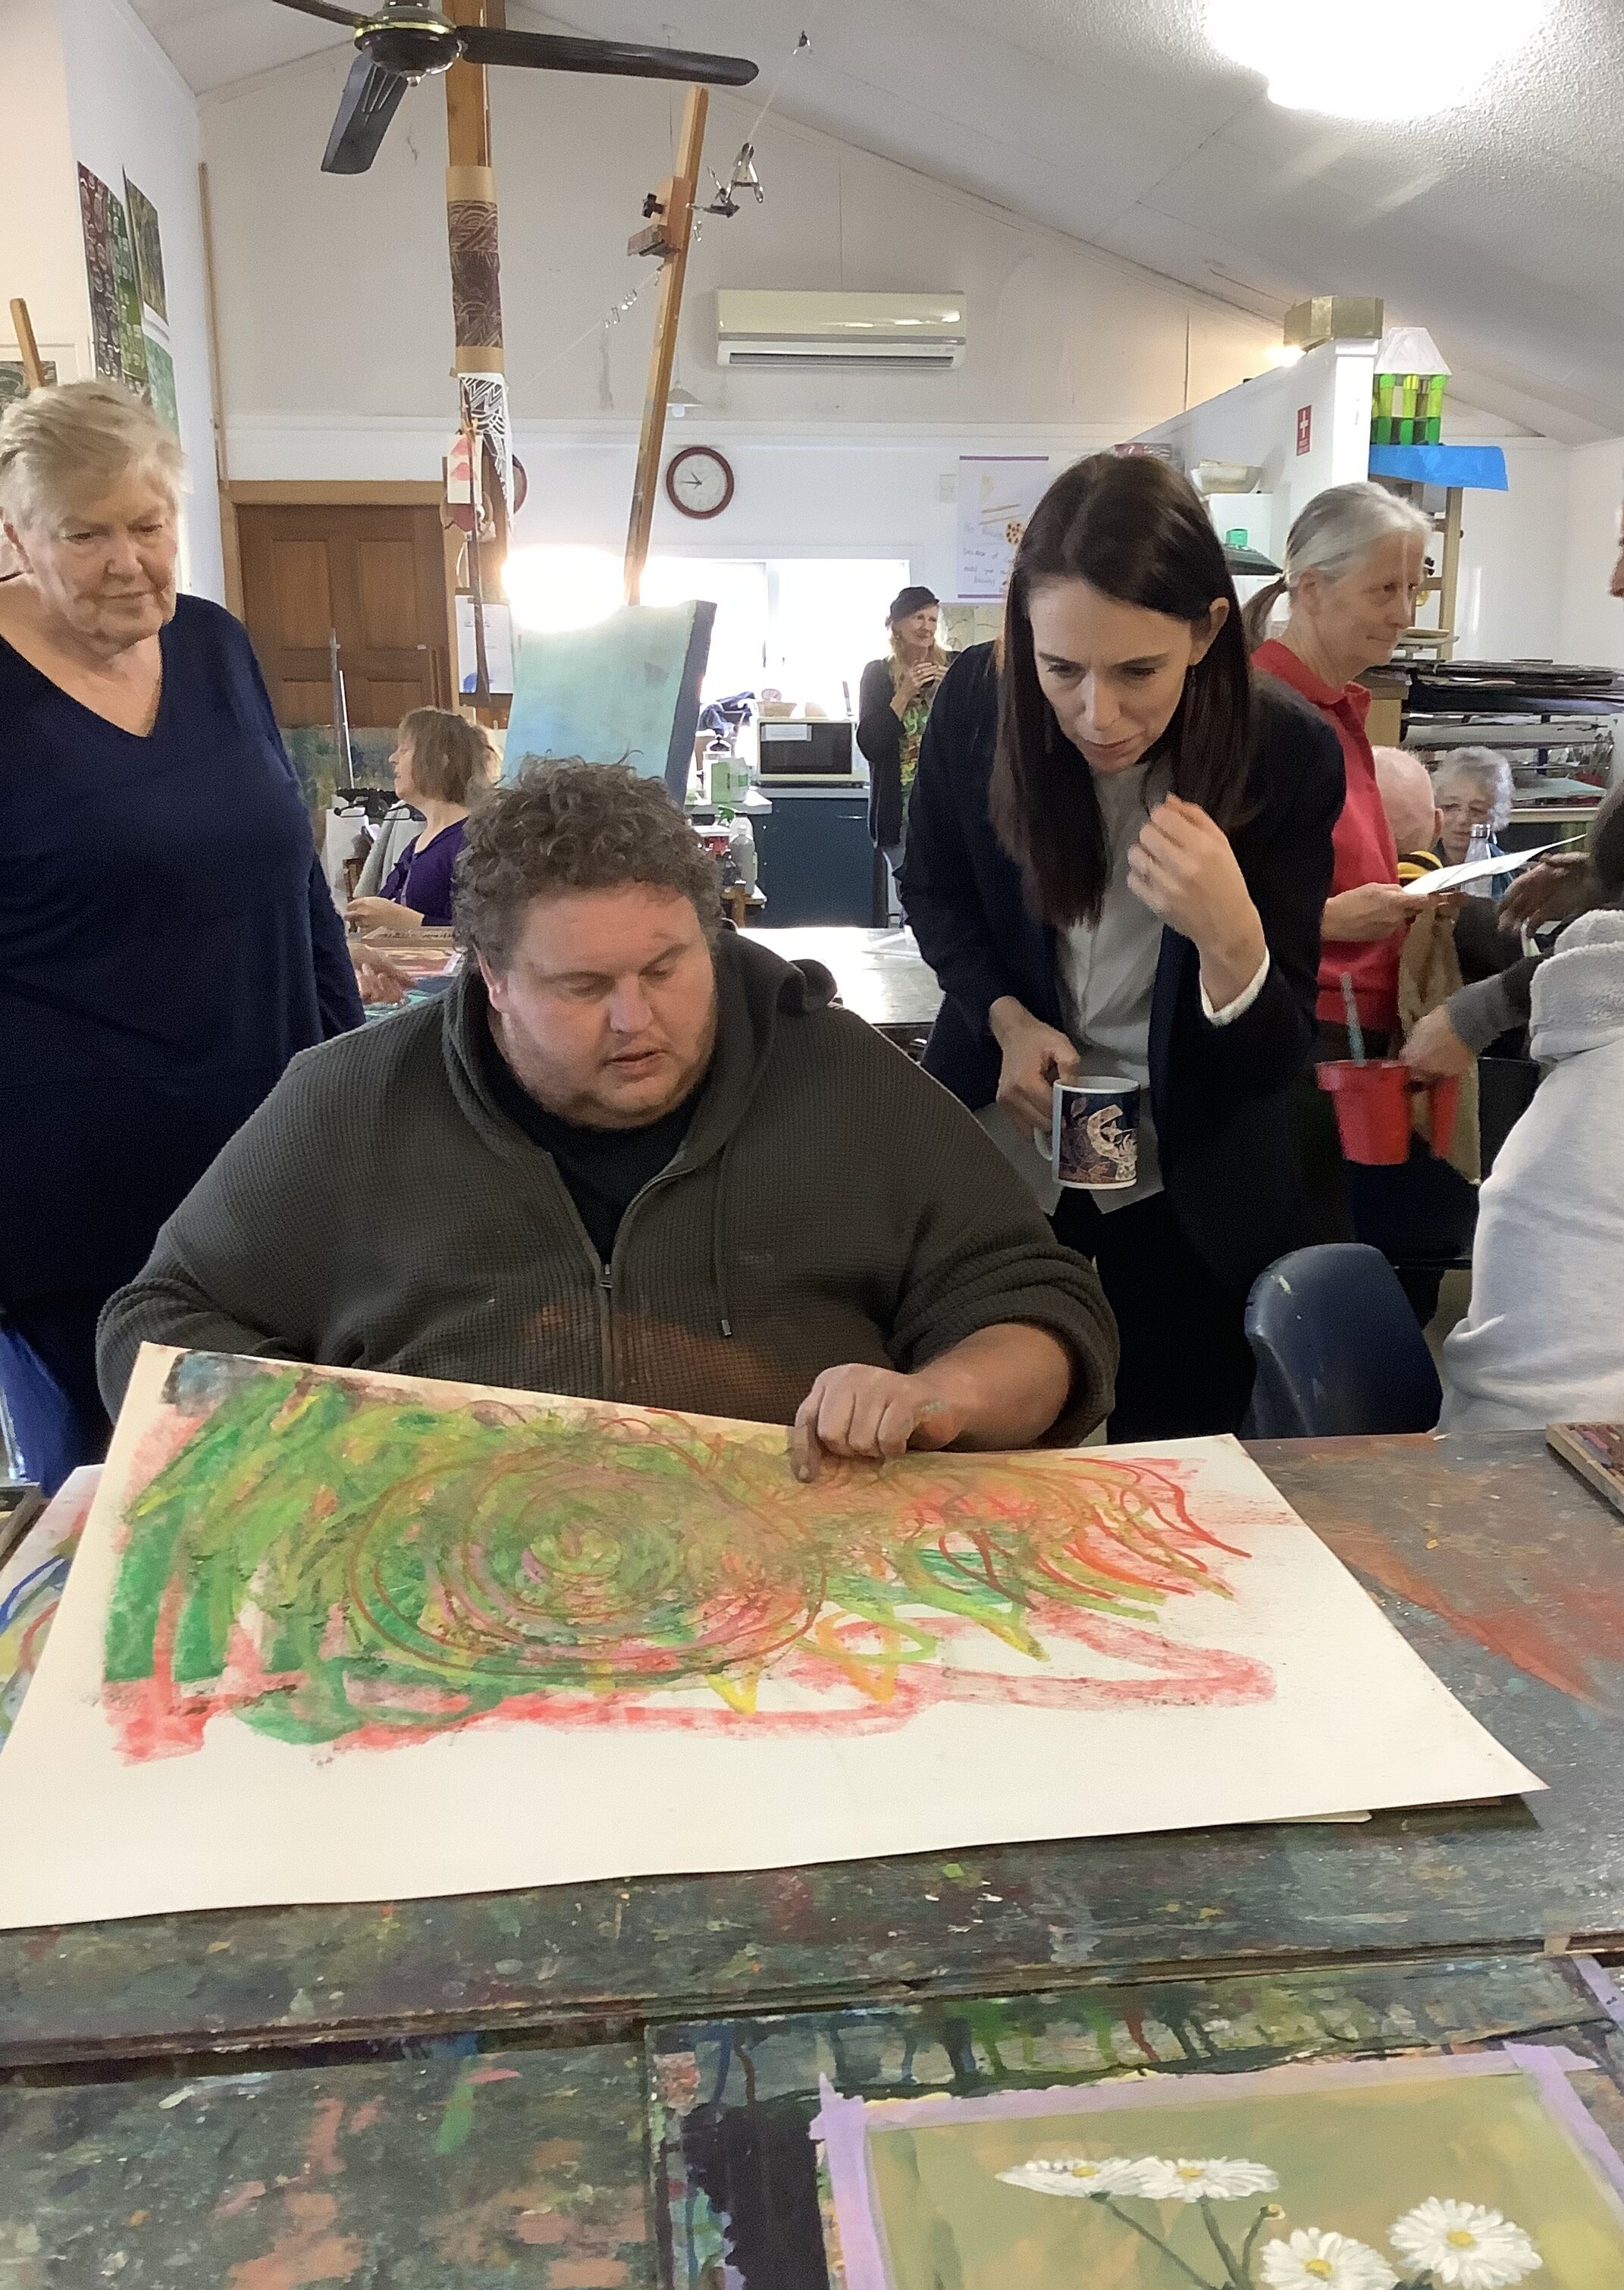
{"x":1362,"y":842}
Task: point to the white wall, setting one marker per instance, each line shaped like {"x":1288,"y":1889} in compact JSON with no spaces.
{"x":129,"y":111}
{"x":42,"y":254}
{"x":1592,"y":626}
{"x":1257,"y":423}
{"x":1513,"y":556}
{"x":336,"y":318}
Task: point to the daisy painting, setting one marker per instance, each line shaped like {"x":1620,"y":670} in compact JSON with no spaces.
{"x":1472,"y":2173}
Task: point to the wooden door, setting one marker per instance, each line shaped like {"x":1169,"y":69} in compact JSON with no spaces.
{"x":376,"y":575}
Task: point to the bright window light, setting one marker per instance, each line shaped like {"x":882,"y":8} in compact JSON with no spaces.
{"x":828,"y":621}
{"x":1335,"y":56}
{"x":553,"y":590}
{"x":738,"y":588}
{"x":804,"y":625}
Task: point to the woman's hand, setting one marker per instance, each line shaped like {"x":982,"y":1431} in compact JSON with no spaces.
{"x":1034,"y":1058}
{"x":381,"y":914}
{"x":1371,"y":911}
{"x":923,"y":676}
{"x":1434,"y":1051}
{"x":868,"y":1410}
{"x":1183,"y":869}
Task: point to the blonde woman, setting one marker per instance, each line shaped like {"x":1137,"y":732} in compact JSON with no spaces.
{"x":442,"y":766}
{"x":893,"y":709}
{"x":167,"y":941}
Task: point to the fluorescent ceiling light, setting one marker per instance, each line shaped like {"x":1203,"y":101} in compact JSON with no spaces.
{"x":1336,"y":56}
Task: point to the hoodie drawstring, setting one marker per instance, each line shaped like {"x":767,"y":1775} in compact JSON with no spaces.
{"x":718,"y":1270}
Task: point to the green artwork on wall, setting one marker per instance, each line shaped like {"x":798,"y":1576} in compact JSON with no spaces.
{"x":132,"y":339}
{"x":161,"y":376}
{"x":148,"y":249}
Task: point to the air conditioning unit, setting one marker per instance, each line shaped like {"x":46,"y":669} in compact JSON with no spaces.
{"x":768,"y":327}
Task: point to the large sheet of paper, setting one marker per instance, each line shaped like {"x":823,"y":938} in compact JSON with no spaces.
{"x":346,"y":1637}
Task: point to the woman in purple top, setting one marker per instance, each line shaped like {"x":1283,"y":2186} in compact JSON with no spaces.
{"x":442,"y":765}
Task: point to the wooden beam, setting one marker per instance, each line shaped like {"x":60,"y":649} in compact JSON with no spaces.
{"x":27,"y":348}
{"x":678,"y":231}
{"x":230,"y":541}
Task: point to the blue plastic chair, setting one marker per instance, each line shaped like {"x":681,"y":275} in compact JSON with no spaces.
{"x":1339,"y":1350}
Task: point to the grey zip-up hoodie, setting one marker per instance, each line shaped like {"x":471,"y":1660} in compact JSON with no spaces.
{"x":1544,"y":1339}
{"x":830,"y":1204}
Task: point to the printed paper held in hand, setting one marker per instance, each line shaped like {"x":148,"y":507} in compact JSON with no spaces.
{"x":1473,"y":870}
{"x":338,"y":1635}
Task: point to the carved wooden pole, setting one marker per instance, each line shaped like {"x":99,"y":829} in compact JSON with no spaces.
{"x":476,"y":317}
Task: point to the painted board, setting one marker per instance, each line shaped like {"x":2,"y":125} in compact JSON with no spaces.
{"x":627,"y":691}
{"x":326,"y":1630}
{"x":732,"y":2101}
{"x":450,"y":2168}
{"x":1426,"y":2172}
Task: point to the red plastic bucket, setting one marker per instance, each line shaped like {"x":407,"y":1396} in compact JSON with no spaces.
{"x":1372,"y":1108}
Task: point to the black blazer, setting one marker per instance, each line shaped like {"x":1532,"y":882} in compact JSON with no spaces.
{"x":1225,"y":1126}
{"x":879,"y":736}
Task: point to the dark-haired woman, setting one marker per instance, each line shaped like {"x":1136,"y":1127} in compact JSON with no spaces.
{"x":1119,"y":848}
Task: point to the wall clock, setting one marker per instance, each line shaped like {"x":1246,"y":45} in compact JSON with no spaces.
{"x":699,"y":482}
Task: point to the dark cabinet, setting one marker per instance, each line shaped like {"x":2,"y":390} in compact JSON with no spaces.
{"x":817,"y":864}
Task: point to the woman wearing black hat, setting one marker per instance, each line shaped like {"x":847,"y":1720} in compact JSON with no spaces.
{"x":894,"y":703}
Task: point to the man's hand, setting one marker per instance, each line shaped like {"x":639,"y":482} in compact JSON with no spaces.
{"x":868,"y":1410}
{"x":1434,"y":1051}
{"x":1001,"y":1386}
{"x":1552,"y":889}
{"x":1034,"y":1058}
{"x":1371,"y":911}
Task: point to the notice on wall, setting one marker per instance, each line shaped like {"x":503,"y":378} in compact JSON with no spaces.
{"x":997,"y":493}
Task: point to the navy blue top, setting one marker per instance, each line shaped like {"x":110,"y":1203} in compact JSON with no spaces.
{"x":167,"y":943}
{"x":421,"y":879}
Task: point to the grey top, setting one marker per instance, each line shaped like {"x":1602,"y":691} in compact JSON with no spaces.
{"x":1108,"y":968}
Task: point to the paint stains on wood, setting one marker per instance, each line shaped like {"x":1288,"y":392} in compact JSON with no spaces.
{"x":304,"y":2176}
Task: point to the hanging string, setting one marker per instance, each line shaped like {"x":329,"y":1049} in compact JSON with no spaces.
{"x":628,"y":302}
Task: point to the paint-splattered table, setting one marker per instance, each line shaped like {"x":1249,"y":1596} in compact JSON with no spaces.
{"x":1505,"y":1571}
{"x":518,"y":2167}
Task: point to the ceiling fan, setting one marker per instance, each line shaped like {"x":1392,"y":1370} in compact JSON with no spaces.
{"x":403,"y":42}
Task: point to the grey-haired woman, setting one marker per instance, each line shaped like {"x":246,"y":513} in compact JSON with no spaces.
{"x":167,"y":940}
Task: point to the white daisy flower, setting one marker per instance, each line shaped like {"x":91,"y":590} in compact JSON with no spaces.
{"x":1072,"y":2175}
{"x":1311,"y":2259}
{"x":1218,"y":2179}
{"x":1464,"y":2247}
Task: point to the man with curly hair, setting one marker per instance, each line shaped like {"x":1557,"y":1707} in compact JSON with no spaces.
{"x":632,"y":1154}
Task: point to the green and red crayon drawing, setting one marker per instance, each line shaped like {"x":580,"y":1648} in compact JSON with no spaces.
{"x":335,"y":1561}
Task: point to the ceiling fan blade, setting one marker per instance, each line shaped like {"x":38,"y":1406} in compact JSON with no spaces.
{"x":553,"y":52}
{"x":371,"y":98}
{"x":324,"y":9}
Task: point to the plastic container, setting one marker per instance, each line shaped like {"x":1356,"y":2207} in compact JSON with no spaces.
{"x":1372,"y":1103}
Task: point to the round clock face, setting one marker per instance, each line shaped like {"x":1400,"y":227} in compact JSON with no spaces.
{"x":699,"y":482}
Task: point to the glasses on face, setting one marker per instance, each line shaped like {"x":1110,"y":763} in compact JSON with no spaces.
{"x":1462,"y":807}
